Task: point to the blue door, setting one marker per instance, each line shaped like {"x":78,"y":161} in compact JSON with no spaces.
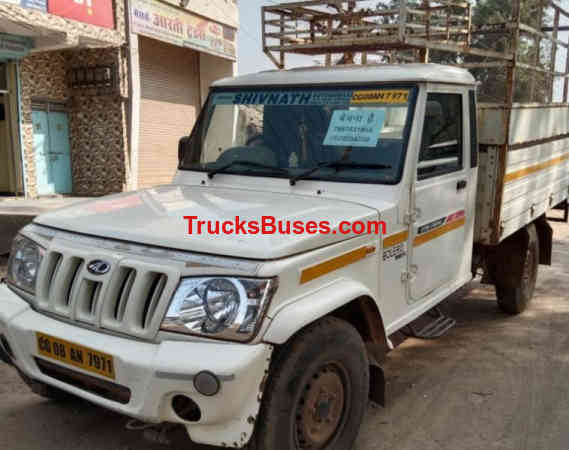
{"x":52,"y":154}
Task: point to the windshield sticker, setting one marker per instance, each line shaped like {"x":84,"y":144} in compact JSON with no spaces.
{"x":284,"y":98}
{"x":399,"y":97}
{"x":358,"y":128}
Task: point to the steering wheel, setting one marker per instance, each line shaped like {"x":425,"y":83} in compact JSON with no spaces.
{"x":258,"y":136}
{"x":259,"y":154}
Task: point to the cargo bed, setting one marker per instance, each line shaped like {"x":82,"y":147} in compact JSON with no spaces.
{"x":524,"y":167}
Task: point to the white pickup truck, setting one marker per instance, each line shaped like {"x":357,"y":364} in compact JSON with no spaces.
{"x":275,"y":340}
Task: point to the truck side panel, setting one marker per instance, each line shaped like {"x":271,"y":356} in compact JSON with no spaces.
{"x":536,"y":172}
{"x":537,"y":178}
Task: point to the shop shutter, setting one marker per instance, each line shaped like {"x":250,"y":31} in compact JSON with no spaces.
{"x":170,"y":99}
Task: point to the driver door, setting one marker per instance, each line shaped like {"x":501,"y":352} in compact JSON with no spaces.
{"x":441,"y":194}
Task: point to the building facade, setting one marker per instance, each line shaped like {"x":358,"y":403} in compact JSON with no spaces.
{"x":94,"y":94}
{"x":176,"y":52}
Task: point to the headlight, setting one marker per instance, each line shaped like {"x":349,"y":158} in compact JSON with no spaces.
{"x":25,"y":260}
{"x":220,"y":307}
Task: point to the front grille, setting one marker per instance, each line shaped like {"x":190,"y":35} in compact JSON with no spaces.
{"x":152,"y":297}
{"x":118,"y":301}
{"x":60,"y":280}
{"x":131,"y":298}
{"x":88,"y":294}
{"x":102,"y":388}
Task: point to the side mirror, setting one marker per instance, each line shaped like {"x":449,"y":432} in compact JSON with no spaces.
{"x":183,"y":146}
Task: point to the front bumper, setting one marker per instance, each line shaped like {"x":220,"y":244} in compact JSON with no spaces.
{"x":153,"y":372}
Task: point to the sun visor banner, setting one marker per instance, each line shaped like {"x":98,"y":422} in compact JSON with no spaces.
{"x":312,"y":97}
{"x":284,"y":98}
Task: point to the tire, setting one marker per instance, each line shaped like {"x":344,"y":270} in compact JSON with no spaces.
{"x":317,"y":391}
{"x":514,"y":300}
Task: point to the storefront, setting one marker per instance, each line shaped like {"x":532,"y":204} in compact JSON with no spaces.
{"x":42,"y":107}
{"x":94,"y":100}
{"x":179,"y":54}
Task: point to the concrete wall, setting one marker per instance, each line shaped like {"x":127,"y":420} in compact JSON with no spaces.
{"x":222,"y":11}
{"x":98,"y":129}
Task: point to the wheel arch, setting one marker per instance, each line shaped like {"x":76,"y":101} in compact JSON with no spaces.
{"x":346,"y":300}
{"x":363,"y":314}
{"x":351,"y":302}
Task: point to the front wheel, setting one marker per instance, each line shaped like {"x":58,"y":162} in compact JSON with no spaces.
{"x":514,"y":300}
{"x":317,"y":392}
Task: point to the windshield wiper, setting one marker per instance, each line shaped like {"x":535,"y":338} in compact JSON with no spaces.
{"x":337,"y":165}
{"x":244,"y":162}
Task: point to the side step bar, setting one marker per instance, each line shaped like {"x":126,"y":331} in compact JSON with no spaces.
{"x":437,"y":326}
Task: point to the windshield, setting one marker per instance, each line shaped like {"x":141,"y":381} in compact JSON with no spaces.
{"x":349,"y":135}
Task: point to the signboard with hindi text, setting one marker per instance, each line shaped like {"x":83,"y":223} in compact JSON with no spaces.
{"x":166,"y":23}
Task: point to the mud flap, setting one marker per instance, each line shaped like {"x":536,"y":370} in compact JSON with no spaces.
{"x":505,"y":262}
{"x":545,"y":236}
{"x":376,"y":385}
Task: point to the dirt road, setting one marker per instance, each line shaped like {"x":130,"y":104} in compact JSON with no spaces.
{"x":494,"y":382}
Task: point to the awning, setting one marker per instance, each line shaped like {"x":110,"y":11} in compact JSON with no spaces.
{"x":50,"y":32}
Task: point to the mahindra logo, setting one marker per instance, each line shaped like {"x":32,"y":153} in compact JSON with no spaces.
{"x":98,"y":267}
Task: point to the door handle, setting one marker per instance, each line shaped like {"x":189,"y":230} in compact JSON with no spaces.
{"x":461,"y":185}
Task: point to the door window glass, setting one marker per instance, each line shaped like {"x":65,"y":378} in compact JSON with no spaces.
{"x":441,"y":144}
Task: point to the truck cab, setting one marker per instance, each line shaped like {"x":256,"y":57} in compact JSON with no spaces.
{"x":402,"y":142}
{"x":315,"y":212}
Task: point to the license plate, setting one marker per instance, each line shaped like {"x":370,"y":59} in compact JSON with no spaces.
{"x":76,"y":355}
